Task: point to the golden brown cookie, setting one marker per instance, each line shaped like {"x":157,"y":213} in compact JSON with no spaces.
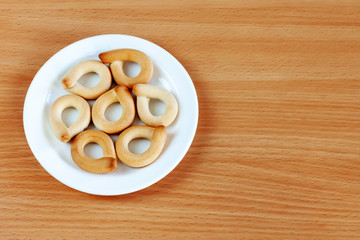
{"x":105,"y":164}
{"x":144,"y":93}
{"x":116,"y":58}
{"x":71,"y":84}
{"x":61,"y":131}
{"x":156,"y":135}
{"x":119,"y":94}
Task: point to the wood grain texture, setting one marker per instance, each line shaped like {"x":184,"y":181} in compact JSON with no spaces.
{"x":277,"y":150}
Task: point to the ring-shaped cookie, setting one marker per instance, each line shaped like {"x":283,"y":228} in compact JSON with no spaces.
{"x":105,"y":164}
{"x":61,"y":131}
{"x":116,"y":58}
{"x":119,"y":94}
{"x":156,"y":135}
{"x":71,"y":84}
{"x":144,"y":92}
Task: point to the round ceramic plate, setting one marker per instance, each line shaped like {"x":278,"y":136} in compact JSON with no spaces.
{"x":55,"y":156}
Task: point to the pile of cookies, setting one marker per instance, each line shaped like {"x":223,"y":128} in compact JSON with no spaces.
{"x":154,"y":130}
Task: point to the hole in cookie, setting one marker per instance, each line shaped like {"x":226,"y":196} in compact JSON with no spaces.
{"x":69,"y":116}
{"x":93,"y":150}
{"x":139,"y":145}
{"x":113,"y":112}
{"x":89,"y":80}
{"x":131,"y":69}
{"x":156,"y":107}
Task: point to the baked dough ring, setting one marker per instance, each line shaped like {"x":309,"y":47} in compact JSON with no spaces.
{"x":105,"y":164}
{"x":144,"y":92}
{"x":157,"y":136}
{"x":61,"y":131}
{"x":71,"y":84}
{"x":119,"y":94}
{"x":116,"y":58}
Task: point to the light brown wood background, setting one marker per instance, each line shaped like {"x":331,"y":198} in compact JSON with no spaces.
{"x":277,"y":151}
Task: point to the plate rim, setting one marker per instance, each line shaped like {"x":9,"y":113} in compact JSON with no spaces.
{"x":26,"y":109}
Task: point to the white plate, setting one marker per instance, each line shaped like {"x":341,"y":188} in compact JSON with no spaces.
{"x":55,"y":156}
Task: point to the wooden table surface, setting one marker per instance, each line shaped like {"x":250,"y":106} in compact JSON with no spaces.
{"x":277,"y":150}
